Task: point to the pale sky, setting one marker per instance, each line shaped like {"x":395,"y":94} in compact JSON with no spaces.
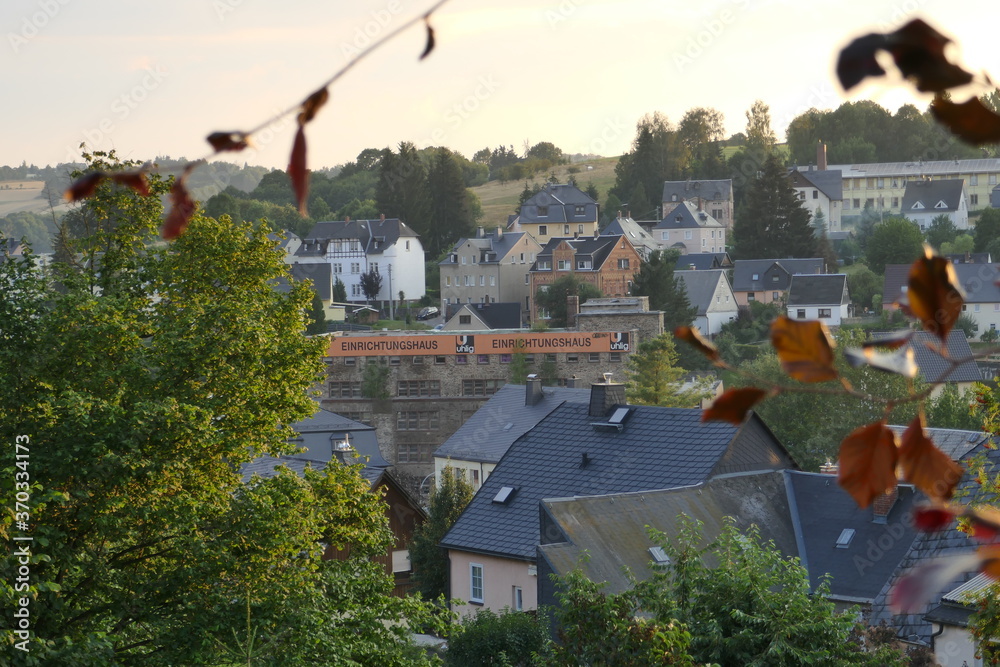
{"x":154,"y":78}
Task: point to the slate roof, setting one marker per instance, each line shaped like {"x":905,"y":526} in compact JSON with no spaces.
{"x":687,"y":216}
{"x":928,"y":194}
{"x":954,"y":442}
{"x":918,"y":168}
{"x":318,"y":433}
{"x":704,"y":260}
{"x":744,"y":270}
{"x":711,"y":190}
{"x":489,"y":243}
{"x":897,"y":277}
{"x":701,"y":285}
{"x":485,"y":436}
{"x":935,"y":368}
{"x":374,"y":235}
{"x":560,"y":202}
{"x":828,"y":181}
{"x":658,"y":448}
{"x":321,"y":275}
{"x":828,"y":289}
{"x":640,"y":239}
{"x":979,"y":282}
{"x":502,"y":315}
{"x":597,"y":248}
{"x":970,"y":258}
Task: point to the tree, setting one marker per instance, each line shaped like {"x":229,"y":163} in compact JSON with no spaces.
{"x":666,"y":292}
{"x":987,"y":228}
{"x":518,"y":368}
{"x":339,"y":290}
{"x":187,"y":364}
{"x":317,"y":315}
{"x":952,"y":409}
{"x":942,"y":230}
{"x":760,"y":136}
{"x":962,"y":244}
{"x":894,"y":241}
{"x":371,"y":284}
{"x":487,"y":638}
{"x":863,"y":285}
{"x":772,"y":223}
{"x":402,"y":189}
{"x":552,"y":298}
{"x":375,"y":380}
{"x":657,"y":155}
{"x":654,"y":378}
{"x":451,"y":210}
{"x":430,"y":563}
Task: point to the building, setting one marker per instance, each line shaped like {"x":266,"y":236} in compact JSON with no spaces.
{"x":482,"y":316}
{"x":636,"y":234}
{"x":713,"y":196}
{"x":709,"y":291}
{"x":925,"y":200}
{"x":820,"y":189}
{"x":978,"y":282}
{"x":606,"y":262}
{"x":767,"y":280}
{"x":353,"y":247}
{"x":705,"y":260}
{"x":821,"y":297}
{"x":630,"y":313}
{"x":321,"y":276}
{"x":488,"y":268}
{"x":556,"y":211}
{"x":690,"y":230}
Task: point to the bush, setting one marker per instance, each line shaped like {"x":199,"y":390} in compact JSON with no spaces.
{"x":509,"y":638}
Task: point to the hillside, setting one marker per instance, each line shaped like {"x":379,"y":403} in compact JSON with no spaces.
{"x":500,"y":200}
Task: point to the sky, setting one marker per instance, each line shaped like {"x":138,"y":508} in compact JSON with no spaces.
{"x":154,"y":78}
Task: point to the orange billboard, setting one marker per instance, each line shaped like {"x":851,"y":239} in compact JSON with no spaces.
{"x":480,"y":343}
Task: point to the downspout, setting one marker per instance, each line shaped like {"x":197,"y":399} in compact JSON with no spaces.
{"x":936,"y":634}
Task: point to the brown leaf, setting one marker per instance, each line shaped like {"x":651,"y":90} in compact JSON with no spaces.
{"x":693,"y":337}
{"x":733,"y":405}
{"x":912,"y":592}
{"x":919,"y":52}
{"x":985,"y":522}
{"x":891,"y":341}
{"x":971,"y":121}
{"x":923,"y":464}
{"x":990,"y":561}
{"x":935,"y":297}
{"x":804,"y":349}
{"x":297,"y":171}
{"x":312,"y":105}
{"x":868,"y":457}
{"x":430,"y":39}
{"x":857,"y":60}
{"x":134,"y":179}
{"x":183,"y":207}
{"x":228,"y":141}
{"x":900,"y":362}
{"x":84,"y":186}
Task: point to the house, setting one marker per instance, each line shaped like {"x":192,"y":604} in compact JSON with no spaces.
{"x":894,"y":285}
{"x":321,"y":277}
{"x":354,"y":247}
{"x":819,"y":297}
{"x":326,"y":435}
{"x":629,"y":313}
{"x":288,"y":242}
{"x":982,"y":295}
{"x":705,"y":260}
{"x":709,"y":291}
{"x":478,"y":445}
{"x":641,"y":239}
{"x":483,"y":316}
{"x":767,"y":280}
{"x":959,"y":368}
{"x":556,"y":211}
{"x":713,"y":196}
{"x":820,"y":189}
{"x":952,"y":640}
{"x":603,"y":446}
{"x":806,"y":516}
{"x":924,"y":200}
{"x":690,"y":230}
{"x":606,"y":262}
{"x":487,"y":268}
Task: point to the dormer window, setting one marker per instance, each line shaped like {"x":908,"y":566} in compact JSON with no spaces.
{"x":543,"y":210}
{"x":941,"y":204}
{"x":673,"y":197}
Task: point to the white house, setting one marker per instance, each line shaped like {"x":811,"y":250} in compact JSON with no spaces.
{"x":353,"y":247}
{"x":710,"y":292}
{"x":821,"y":297}
{"x":982,"y":295}
{"x":925,"y":200}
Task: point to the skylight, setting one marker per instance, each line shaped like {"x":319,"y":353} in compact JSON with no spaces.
{"x":503,"y":495}
{"x":659,"y":555}
{"x":618,"y":416}
{"x":845,"y":538}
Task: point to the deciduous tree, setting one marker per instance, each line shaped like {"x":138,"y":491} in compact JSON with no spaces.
{"x":430,"y":563}
{"x":894,"y":241}
{"x":552,"y":298}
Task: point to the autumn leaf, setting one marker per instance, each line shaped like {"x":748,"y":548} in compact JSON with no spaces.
{"x":857,"y":60}
{"x":228,"y":141}
{"x":901,"y":362}
{"x":924,"y":465}
{"x":914,"y":590}
{"x":297,"y":171}
{"x":134,"y":179}
{"x":733,"y":405}
{"x":971,"y":121}
{"x":932,"y":519}
{"x":183,"y":206}
{"x":985,"y":523}
{"x":84,"y":186}
{"x":990,"y":561}
{"x":804,"y":348}
{"x":430,"y":39}
{"x":312,"y":104}
{"x":892,"y":341}
{"x":867,"y":466}
{"x":935,"y":297}
{"x":693,"y":337}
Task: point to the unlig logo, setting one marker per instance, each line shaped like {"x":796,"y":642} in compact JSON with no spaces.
{"x":465,"y":344}
{"x":619,"y":342}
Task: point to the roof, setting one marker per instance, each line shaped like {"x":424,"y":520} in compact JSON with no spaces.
{"x":745,"y":269}
{"x":933,"y":196}
{"x":955,"y":443}
{"x":701,"y":286}
{"x":936,"y":368}
{"x":557,"y":203}
{"x":317,"y":434}
{"x":657,"y":448}
{"x":503,"y":315}
{"x":321,"y":275}
{"x":897,"y":278}
{"x":266,"y":466}
{"x":485,"y":436}
{"x":492,"y":250}
{"x":704,"y":260}
{"x":916,"y":168}
{"x":634,"y":232}
{"x":979,"y":282}
{"x":828,"y":181}
{"x":818,"y":290}
{"x":374,"y":235}
{"x":598,"y":248}
{"x":687,"y":216}
{"x":712,"y":190}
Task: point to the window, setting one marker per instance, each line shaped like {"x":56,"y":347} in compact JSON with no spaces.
{"x":464,"y":259}
{"x":584,"y":264}
{"x":414,"y":388}
{"x":974,"y":200}
{"x":543,"y":210}
{"x":475,"y":583}
{"x":545,"y":265}
{"x":418,"y":359}
{"x":461,"y":359}
{"x":475,"y":479}
{"x":338,"y":268}
{"x":543,"y":230}
{"x":481,"y":387}
{"x":824,"y":313}
{"x":414,"y":453}
{"x":504,"y":358}
{"x":522,"y":258}
{"x":518,"y":599}
{"x":439,"y":360}
{"x":355,"y":290}
{"x":774,"y":278}
{"x":407,"y":245}
{"x":895,"y":202}
{"x":579,"y":229}
{"x":774,"y":295}
{"x":704,"y":242}
{"x":751,"y":296}
{"x":350,"y":361}
{"x":527,"y":279}
{"x":975,"y":308}
{"x":895,"y":182}
{"x":881,"y":183}
{"x":550,"y":357}
{"x":572,"y":357}
{"x":345,"y":390}
{"x":974,"y":179}
{"x":447,"y":281}
{"x":468,"y":281}
{"x":563,"y":265}
{"x":815,"y":194}
{"x":687,"y":235}
{"x":566,"y":230}
{"x":800,"y":313}
{"x":482,"y":359}
{"x":355,"y":267}
{"x":363,"y":416}
{"x":465,"y":319}
{"x":856,"y":203}
{"x":482,"y":281}
{"x":417,"y":420}
{"x":615,"y":357}
{"x":529,"y":358}
{"x":493,"y":281}
{"x":755,"y":276}
{"x":870,"y":202}
{"x":665,"y":235}
{"x":375,"y":267}
{"x":993,"y":179}
{"x":579,"y":210}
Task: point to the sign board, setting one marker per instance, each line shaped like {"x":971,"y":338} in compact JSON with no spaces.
{"x":480,"y":343}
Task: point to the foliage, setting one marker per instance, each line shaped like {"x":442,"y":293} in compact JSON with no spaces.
{"x":552,"y":298}
{"x":339,"y":290}
{"x":941,"y":230}
{"x":402,"y":189}
{"x":657,"y":155}
{"x":34,"y":228}
{"x":895,"y":240}
{"x":654,"y":378}
{"x":508,"y":639}
{"x":371,"y":283}
{"x":772,"y":222}
{"x":987,"y":229}
{"x":962,"y":244}
{"x":430,"y":562}
{"x":968,"y":325}
{"x":317,"y":315}
{"x":375,"y":380}
{"x":518,"y":368}
{"x":952,"y":409}
{"x":864,"y":285}
{"x":666,"y":292}
{"x":454,"y":209}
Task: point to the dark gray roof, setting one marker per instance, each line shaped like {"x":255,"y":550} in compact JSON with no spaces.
{"x":979,"y":282}
{"x":828,"y":289}
{"x":970,"y":258}
{"x":704,"y":260}
{"x":598,"y":249}
{"x":501,"y":315}
{"x":374,"y":235}
{"x":936,"y":368}
{"x":701,"y":285}
{"x":318,"y":433}
{"x":828,"y":181}
{"x":492,"y":250}
{"x":321,"y":275}
{"x":687,"y":216}
{"x":929,"y":194}
{"x":745,"y":269}
{"x":485,"y":437}
{"x":559,"y":204}
{"x":712,"y":190}
{"x":265,"y":466}
{"x":953,"y":442}
{"x":640,"y":239}
{"x":897,"y":277}
{"x":658,"y":448}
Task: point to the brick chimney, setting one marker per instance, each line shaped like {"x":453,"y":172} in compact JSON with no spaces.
{"x":480,"y":232}
{"x":572,"y":309}
{"x":604,"y":396}
{"x":821,"y":156}
{"x":532,"y":390}
{"x":381,"y":217}
{"x":883,"y":504}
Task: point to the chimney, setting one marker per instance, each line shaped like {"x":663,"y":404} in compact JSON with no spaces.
{"x":571,"y":382}
{"x":821,"y":156}
{"x":480,"y":232}
{"x":572,"y":309}
{"x":883,"y":504}
{"x":347,"y":218}
{"x":499,"y":232}
{"x":532,"y":390}
{"x":343,"y":450}
{"x":604,"y":396}
{"x":381,"y":217}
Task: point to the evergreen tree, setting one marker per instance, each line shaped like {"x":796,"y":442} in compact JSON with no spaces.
{"x":987,"y":229}
{"x":666,"y":292}
{"x":402,"y":188}
{"x":772,"y":223}
{"x":450,"y":203}
{"x":317,"y":315}
{"x":654,"y":378}
{"x":371,"y":284}
{"x":339,"y":290}
{"x":430,"y":562}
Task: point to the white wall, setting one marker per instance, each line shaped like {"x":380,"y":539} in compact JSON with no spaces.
{"x":837,"y":314}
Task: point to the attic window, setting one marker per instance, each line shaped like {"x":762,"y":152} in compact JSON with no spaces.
{"x":543,"y":210}
{"x":504,"y":495}
{"x":618,"y":416}
{"x":917,"y":206}
{"x":756,"y":276}
{"x":845,"y":538}
{"x":660,"y":557}
{"x":508,"y":426}
{"x":940,"y":204}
